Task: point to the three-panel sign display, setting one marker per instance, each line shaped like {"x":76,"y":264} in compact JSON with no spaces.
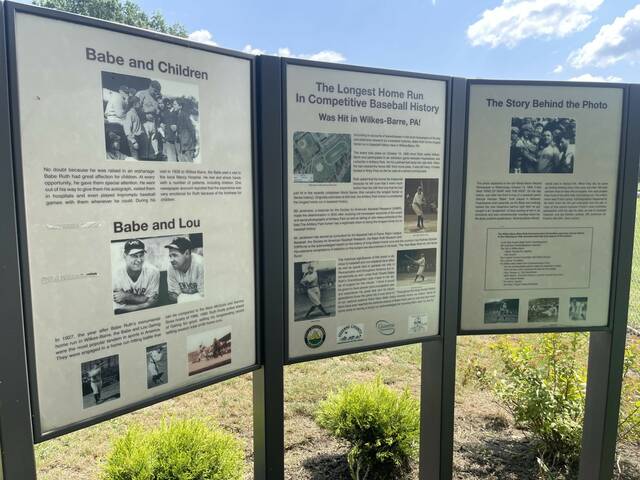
{"x":136,"y":157}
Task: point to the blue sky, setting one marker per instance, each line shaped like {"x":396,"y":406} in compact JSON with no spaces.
{"x":511,"y":39}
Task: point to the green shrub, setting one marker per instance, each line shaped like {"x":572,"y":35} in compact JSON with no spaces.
{"x":381,"y":426}
{"x":543,"y":386}
{"x":180,"y":450}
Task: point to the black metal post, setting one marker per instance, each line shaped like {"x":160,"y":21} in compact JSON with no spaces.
{"x":268,"y":382}
{"x":439,"y":357}
{"x":606,"y":349}
{"x":16,"y":436}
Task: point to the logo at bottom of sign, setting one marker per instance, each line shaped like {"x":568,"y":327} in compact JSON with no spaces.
{"x":386,"y":327}
{"x":350,"y":333}
{"x":418,"y":323}
{"x":315,"y":336}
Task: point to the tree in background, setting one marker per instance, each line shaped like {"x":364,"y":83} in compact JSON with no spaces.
{"x":125,"y":12}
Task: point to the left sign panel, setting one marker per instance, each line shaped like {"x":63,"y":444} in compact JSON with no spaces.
{"x":135,"y":158}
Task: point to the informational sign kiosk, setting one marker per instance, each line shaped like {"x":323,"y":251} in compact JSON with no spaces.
{"x":541,"y":189}
{"x":134,"y":158}
{"x":365,"y":161}
{"x":143,"y":256}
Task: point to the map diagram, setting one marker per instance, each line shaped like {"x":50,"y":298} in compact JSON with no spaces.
{"x":321,"y":157}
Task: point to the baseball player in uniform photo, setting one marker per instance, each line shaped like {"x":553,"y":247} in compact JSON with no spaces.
{"x":421,"y":262}
{"x":136,"y":283}
{"x":95,"y":379}
{"x":417,"y":206}
{"x":154,"y":358}
{"x":185,"y":278}
{"x":504,"y":311}
{"x":310,"y":282}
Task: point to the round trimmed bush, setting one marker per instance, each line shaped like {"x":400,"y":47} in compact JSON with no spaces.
{"x":184,"y":450}
{"x":381,"y":425}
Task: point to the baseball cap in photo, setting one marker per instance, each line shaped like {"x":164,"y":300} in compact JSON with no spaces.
{"x":134,"y":246}
{"x":180,"y":243}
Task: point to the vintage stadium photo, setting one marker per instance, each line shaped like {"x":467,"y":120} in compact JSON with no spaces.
{"x":208,"y":350}
{"x":504,"y":310}
{"x":321,"y":157}
{"x":543,"y":310}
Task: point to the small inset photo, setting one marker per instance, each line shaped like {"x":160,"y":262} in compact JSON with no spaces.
{"x":504,"y":310}
{"x":420,"y":205}
{"x":418,"y":323}
{"x":100,"y":381}
{"x":542,"y":145}
{"x":150,"y":272}
{"x":208,"y":350}
{"x":314,"y":289}
{"x":321,"y":157}
{"x":415,"y":267}
{"x":157,"y":373}
{"x":150,"y":119}
{"x":543,"y":310}
{"x":578,"y":308}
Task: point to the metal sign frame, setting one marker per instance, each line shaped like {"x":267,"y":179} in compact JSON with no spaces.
{"x":616,"y":226}
{"x":18,"y":402}
{"x":285,"y":159}
{"x":11,"y":9}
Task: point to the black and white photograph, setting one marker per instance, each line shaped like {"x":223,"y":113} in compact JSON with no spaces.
{"x":578,"y":308}
{"x":315,"y":289}
{"x":100,"y":381}
{"x":150,"y":119}
{"x":504,"y":310}
{"x":420,"y":205}
{"x":415,"y":267}
{"x":157,"y":373}
{"x":542,"y":145}
{"x":543,"y":310}
{"x":208,"y":350}
{"x":321,"y":157}
{"x":151,"y":272}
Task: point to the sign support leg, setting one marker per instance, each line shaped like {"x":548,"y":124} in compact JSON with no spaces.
{"x":439,"y":357}
{"x":268,"y":382}
{"x":16,"y":438}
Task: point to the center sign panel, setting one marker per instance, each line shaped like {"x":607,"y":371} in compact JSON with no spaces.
{"x":541,"y":186}
{"x":136,"y":165}
{"x":365,"y":159}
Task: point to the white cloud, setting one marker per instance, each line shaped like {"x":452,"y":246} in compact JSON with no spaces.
{"x":558,"y":69}
{"x":322,"y":56}
{"x":516,"y":20}
{"x":253,"y":51}
{"x":614,"y":42}
{"x":325,"y":56}
{"x":587,"y":77}
{"x":202,"y":36}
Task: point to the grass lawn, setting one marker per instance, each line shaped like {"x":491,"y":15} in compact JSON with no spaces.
{"x":634,"y":293}
{"x":488,"y":446}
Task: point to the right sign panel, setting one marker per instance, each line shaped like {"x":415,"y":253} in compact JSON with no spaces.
{"x":541,"y":180}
